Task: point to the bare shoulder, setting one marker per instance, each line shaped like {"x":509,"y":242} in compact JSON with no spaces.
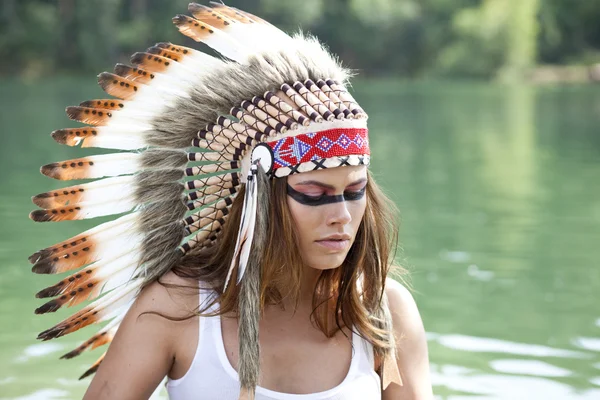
{"x":407,"y":322}
{"x":401,"y":300}
{"x":145,"y":346}
{"x":412,"y":354}
{"x":171,"y":295}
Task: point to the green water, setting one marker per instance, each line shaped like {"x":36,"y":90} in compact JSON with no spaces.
{"x":500,"y":198}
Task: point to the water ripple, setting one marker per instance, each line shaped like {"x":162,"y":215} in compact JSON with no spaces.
{"x":480,"y":344}
{"x":529,"y":367}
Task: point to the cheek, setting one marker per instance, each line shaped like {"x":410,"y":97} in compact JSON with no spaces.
{"x":306,"y":218}
{"x":357,"y":211}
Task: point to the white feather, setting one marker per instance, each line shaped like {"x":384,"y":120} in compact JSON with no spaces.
{"x":113,"y":165}
{"x":101,"y":209}
{"x":227,"y":46}
{"x":110,"y":305}
{"x":108,"y":189}
{"x":115,"y":142}
{"x":245,"y":252}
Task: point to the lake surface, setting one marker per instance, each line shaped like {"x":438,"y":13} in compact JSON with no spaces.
{"x":499,"y":191}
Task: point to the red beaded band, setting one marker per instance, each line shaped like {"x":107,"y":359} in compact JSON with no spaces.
{"x":302,"y":148}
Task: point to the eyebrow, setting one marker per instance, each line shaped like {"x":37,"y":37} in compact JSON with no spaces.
{"x":325,"y":185}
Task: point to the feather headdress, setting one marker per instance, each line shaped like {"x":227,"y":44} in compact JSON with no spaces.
{"x":189,"y":128}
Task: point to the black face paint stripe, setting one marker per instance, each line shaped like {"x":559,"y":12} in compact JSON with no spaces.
{"x":324,"y":198}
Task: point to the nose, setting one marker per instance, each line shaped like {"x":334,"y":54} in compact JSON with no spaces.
{"x":338,"y":214}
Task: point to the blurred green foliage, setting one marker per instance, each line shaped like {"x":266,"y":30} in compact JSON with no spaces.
{"x":407,"y":38}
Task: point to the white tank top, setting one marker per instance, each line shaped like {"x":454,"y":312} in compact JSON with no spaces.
{"x":211,"y":376}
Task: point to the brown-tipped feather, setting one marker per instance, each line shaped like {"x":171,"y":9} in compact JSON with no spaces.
{"x":159,"y":51}
{"x":67,"y":284}
{"x":59,"y":248}
{"x":134,"y":74}
{"x":176,"y":48}
{"x":193,"y":28}
{"x":99,"y":339}
{"x":92,"y":116}
{"x":231,"y":12}
{"x":251,"y":17}
{"x":79,"y":320}
{"x":68,"y":213}
{"x":118,"y":86}
{"x":151,"y":62}
{"x":60,"y":197}
{"x":38,"y":255}
{"x":73,"y":297}
{"x":109,"y":104}
{"x":73,"y":136}
{"x":67,"y":259}
{"x":93,"y":368}
{"x":69,"y":169}
{"x":209,"y":16}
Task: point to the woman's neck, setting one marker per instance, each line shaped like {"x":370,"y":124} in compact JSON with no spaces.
{"x":303,"y":304}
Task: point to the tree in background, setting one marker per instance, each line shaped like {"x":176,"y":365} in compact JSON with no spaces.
{"x":483,"y":39}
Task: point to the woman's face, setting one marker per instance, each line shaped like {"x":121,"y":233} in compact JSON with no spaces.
{"x":327,"y":206}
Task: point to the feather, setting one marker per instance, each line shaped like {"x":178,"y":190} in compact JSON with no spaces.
{"x":178,"y":49}
{"x":216,"y":39}
{"x":73,"y":136}
{"x":106,"y":238}
{"x":93,"y":368}
{"x":247,"y":244}
{"x":98,"y":311}
{"x":93,"y":250}
{"x":209,"y":16}
{"x":102,"y":190}
{"x":102,"y":136}
{"x":242,"y":231}
{"x":118,"y":86}
{"x":252,"y":32}
{"x":231,"y":12}
{"x":108,"y":104}
{"x":91,"y":116}
{"x":151,"y":62}
{"x":93,"y":166}
{"x":160,"y":51}
{"x":84,"y":210}
{"x":104,"y":336}
{"x":133,"y":74}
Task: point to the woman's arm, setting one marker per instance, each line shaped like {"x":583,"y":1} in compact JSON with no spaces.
{"x":412,"y":355}
{"x":143,"y":350}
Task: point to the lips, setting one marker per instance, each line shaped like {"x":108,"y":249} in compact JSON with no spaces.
{"x":338,"y":242}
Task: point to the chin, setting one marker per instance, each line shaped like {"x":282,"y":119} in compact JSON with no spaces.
{"x":323,"y":263}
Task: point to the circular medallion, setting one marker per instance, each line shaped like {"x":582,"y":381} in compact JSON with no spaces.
{"x":264,"y":155}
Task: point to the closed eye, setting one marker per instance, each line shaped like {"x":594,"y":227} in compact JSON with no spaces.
{"x":351,"y":195}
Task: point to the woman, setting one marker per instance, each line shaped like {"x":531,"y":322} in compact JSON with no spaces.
{"x":299,"y":253}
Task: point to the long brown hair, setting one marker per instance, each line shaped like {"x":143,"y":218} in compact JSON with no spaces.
{"x":350,"y":295}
